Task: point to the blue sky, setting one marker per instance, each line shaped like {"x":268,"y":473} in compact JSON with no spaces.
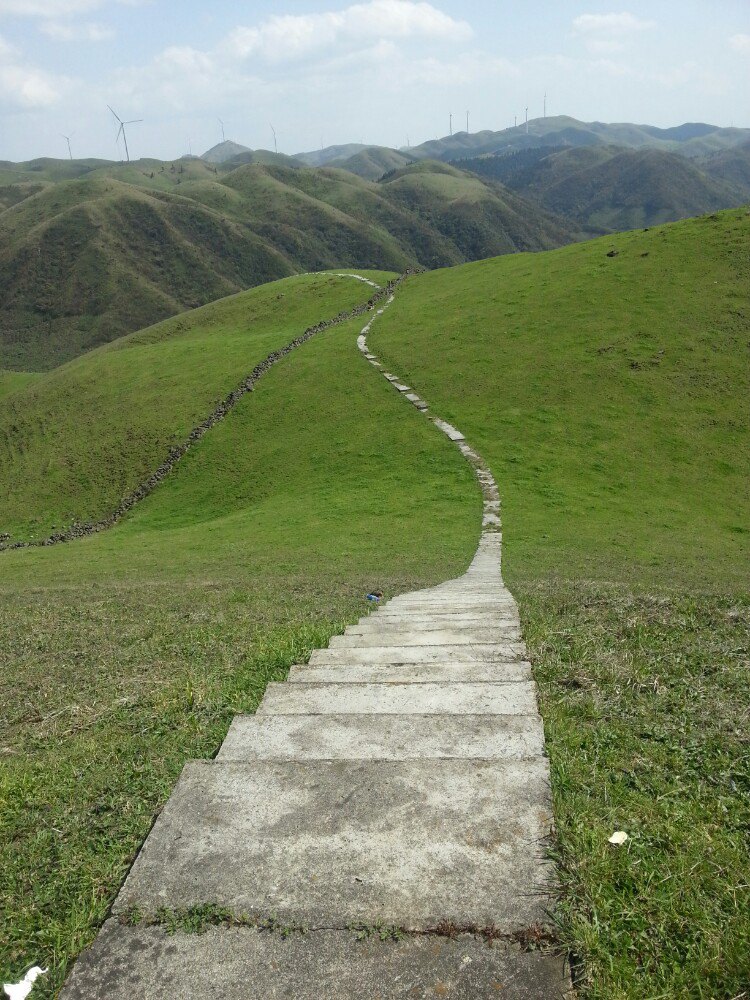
{"x":378,"y":71}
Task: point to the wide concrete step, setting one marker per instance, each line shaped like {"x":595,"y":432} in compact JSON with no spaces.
{"x":383,"y":737}
{"x":412,"y":673}
{"x":442,"y":619}
{"x":441,"y":606}
{"x":511,"y":698}
{"x":478,"y":652}
{"x":413,"y":637}
{"x":432,"y":623}
{"x":240,"y":963}
{"x":331,"y":843}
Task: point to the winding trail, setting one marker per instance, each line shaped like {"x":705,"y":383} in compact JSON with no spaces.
{"x":377,"y":830}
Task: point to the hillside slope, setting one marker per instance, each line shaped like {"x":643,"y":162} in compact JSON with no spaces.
{"x":606,"y":384}
{"x":138,"y":645}
{"x":373,"y":162}
{"x":77,"y":440}
{"x":608,"y":188}
{"x":84,"y":261}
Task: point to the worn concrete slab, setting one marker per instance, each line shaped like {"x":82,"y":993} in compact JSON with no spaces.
{"x":415,"y":637}
{"x":423,"y":619}
{"x":484,"y":653}
{"x":383,"y":737}
{"x":441,"y":619}
{"x":450,"y":430}
{"x":478,"y":698}
{"x":452,"y":602}
{"x":401,"y":387}
{"x":412,"y":673}
{"x":237,"y":963}
{"x":330,"y":843}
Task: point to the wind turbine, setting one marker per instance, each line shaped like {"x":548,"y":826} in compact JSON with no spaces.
{"x":450,"y":123}
{"x":223,"y":137}
{"x":275,"y":145}
{"x":467,"y":122}
{"x":67,"y":138}
{"x":121,"y":129}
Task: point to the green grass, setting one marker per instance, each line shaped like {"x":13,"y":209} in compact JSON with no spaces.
{"x":607,"y":393}
{"x":13,"y":381}
{"x":83,"y":436}
{"x":645,"y":701}
{"x":100,"y":250}
{"x":609,"y":396}
{"x":127,"y":653}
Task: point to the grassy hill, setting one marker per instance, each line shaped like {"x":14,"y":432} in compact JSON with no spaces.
{"x":85,"y":261}
{"x":373,"y":162}
{"x":136,"y":646}
{"x":606,"y":385}
{"x":608,"y":188}
{"x":561,"y":130}
{"x":85,"y":435}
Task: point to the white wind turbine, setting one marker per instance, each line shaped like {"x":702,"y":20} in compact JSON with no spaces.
{"x":121,"y":130}
{"x":67,"y":138}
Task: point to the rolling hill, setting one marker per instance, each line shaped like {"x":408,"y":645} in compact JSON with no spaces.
{"x":688,"y":140}
{"x":373,"y":162}
{"x":84,"y":261}
{"x":605,"y":383}
{"x":69,"y":456}
{"x":608,"y":188}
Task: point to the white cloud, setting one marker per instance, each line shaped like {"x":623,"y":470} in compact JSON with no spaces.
{"x":47,"y":8}
{"x":610,"y":24}
{"x":24,"y":86}
{"x":741,"y":44}
{"x":390,"y":39}
{"x":29,"y":88}
{"x":88,"y":31}
{"x":289,"y":37}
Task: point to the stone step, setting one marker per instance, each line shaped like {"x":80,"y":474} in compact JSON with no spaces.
{"x":412,"y":673}
{"x":438,"y":605}
{"x":147,"y":963}
{"x":449,"y":429}
{"x":482,"y":653}
{"x":439,"y":619}
{"x":472,"y":698}
{"x":383,"y":737}
{"x":388,"y":625}
{"x":331,"y":843}
{"x":387,"y":613}
{"x":413,"y":637}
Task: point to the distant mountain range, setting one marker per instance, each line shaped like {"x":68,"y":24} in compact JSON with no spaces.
{"x":599,"y":177}
{"x":91,"y":251}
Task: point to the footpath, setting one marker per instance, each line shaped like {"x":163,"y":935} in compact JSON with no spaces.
{"x":377,"y":830}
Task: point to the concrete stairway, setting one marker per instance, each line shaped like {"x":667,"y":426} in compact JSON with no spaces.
{"x":391,"y":798}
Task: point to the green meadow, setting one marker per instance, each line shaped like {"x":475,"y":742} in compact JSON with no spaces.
{"x":608,"y":392}
{"x":605,"y":383}
{"x":127,"y":653}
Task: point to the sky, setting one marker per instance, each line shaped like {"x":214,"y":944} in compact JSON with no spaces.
{"x":386,"y":72}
